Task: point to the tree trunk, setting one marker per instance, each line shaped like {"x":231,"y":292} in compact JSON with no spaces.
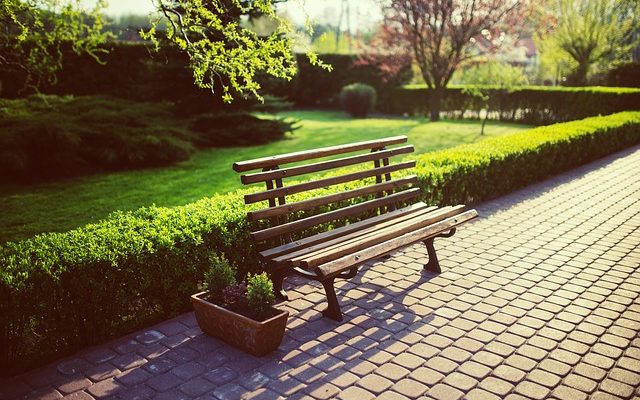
{"x":484,"y":121}
{"x":435,"y":101}
{"x":579,"y":76}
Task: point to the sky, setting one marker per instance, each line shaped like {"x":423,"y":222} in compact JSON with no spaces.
{"x":363,"y":12}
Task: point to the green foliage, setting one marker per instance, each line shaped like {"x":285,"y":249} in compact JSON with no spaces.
{"x":595,"y":31}
{"x":95,"y":134}
{"x":239,"y":129}
{"x":224,"y":55}
{"x":135,"y":268}
{"x":493,"y":73}
{"x":358,"y":99}
{"x":537,"y":105}
{"x":32,"y":34}
{"x":219,"y":275}
{"x":260,"y":296}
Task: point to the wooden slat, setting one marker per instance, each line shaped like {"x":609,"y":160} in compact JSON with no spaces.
{"x":324,"y":165}
{"x":336,"y":266}
{"x":320,"y":201}
{"x":354,"y":235}
{"x":343,"y":230}
{"x":372,"y":238}
{"x":333,"y":215}
{"x":266,"y":162}
{"x":321,"y":183}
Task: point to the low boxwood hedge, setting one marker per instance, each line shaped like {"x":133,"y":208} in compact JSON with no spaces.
{"x":62,"y":291}
{"x":537,"y":105}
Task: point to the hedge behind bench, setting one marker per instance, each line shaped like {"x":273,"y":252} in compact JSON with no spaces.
{"x":62,"y":291}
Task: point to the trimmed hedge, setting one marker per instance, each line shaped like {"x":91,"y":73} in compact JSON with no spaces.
{"x":62,"y":291}
{"x":537,"y":105}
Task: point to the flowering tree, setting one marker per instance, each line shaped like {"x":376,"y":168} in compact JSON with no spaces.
{"x":440,"y":34}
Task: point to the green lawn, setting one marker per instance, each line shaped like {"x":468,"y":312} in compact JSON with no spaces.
{"x":60,"y":206}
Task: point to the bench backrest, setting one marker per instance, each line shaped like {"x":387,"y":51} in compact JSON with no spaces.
{"x":389,"y":193}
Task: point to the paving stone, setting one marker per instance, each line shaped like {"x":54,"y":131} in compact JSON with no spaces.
{"x":427,"y":376}
{"x":392,"y":371}
{"x":288,"y":386}
{"x":73,"y":384}
{"x":532,"y":390}
{"x":568,"y":393}
{"x":616,"y":388}
{"x":410,"y":388}
{"x":73,"y":366}
{"x":164,"y":382}
{"x":196,"y":387}
{"x":355,"y":393}
{"x":509,"y":374}
{"x":628,"y":377}
{"x":323,"y":391}
{"x":555,"y":367}
{"x":580,"y":383}
{"x":101,"y":372}
{"x":543,"y":378}
{"x":496,"y":386}
{"x":106,"y":388}
{"x":78,"y":396}
{"x":375,"y":383}
{"x":444,"y":392}
{"x":230,"y":391}
{"x":461,"y":381}
{"x":133,"y":377}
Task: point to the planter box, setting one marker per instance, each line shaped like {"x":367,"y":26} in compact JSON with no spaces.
{"x":257,"y":338}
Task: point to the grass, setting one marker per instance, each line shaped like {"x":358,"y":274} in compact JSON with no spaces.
{"x":63,"y":205}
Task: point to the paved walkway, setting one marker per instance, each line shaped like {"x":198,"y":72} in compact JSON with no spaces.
{"x":539,"y":298}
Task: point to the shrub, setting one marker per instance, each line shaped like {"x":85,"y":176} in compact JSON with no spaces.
{"x":136,"y":268}
{"x":219,"y":275}
{"x":45,"y":137}
{"x":624,"y":75}
{"x":260,"y":296}
{"x":238,"y":129}
{"x":358,"y":99}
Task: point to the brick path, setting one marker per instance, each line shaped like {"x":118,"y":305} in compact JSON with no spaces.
{"x":539,"y":298}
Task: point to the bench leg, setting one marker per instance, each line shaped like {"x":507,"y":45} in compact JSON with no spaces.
{"x":433,"y":265}
{"x":333,"y":310}
{"x":278,"y":281}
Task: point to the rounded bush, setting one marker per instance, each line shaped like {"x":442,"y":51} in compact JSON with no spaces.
{"x":358,"y":99}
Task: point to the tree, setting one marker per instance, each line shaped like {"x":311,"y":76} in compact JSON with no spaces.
{"x":32,"y":34}
{"x":440,"y":34}
{"x":594,"y":31}
{"x":225,"y":55}
{"x":491,"y":76}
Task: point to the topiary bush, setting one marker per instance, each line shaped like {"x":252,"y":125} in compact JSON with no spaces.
{"x":260,"y":296}
{"x":358,"y":99}
{"x":62,"y":291}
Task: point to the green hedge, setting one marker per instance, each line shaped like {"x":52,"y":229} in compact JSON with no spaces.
{"x":59,"y":292}
{"x":537,"y":105}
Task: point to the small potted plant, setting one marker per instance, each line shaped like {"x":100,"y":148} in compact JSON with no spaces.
{"x":241,"y":314}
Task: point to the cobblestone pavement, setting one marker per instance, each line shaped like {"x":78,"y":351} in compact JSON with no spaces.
{"x":539,"y":298}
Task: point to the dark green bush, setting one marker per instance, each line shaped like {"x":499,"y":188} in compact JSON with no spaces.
{"x":358,"y":99}
{"x":260,"y":296}
{"x":218,"y":276}
{"x":626,"y":75}
{"x":238,"y":129}
{"x":537,"y":105}
{"x":62,"y":291}
{"x":45,"y":137}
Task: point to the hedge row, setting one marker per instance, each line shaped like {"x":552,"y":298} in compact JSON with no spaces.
{"x":537,"y":105}
{"x":62,"y":291}
{"x":165,"y":76}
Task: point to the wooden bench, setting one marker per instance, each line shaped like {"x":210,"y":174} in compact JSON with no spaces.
{"x":380,"y":219}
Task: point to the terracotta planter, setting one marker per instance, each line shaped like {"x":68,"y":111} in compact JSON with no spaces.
{"x":257,"y":338}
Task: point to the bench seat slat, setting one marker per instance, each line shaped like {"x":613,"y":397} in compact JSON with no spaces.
{"x":324,"y":200}
{"x":324,"y":165}
{"x":321,"y":183}
{"x":336,"y":266}
{"x":368,"y":239}
{"x":267,"y":162}
{"x":337,"y":232}
{"x":335,"y":214}
{"x":286,"y":257}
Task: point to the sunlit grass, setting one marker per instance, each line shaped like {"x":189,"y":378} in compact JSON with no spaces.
{"x":63,"y":205}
